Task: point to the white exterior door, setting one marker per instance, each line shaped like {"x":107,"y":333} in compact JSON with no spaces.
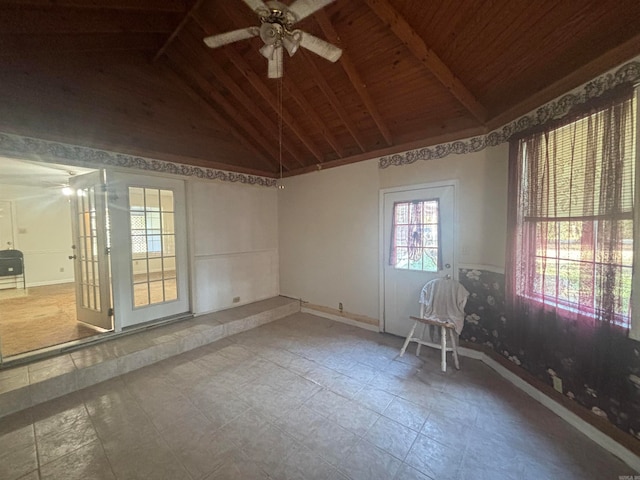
{"x":90,"y":255}
{"x":149,"y":248}
{"x":418,"y":246}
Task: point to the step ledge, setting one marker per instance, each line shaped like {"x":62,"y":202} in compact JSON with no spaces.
{"x":27,"y":385}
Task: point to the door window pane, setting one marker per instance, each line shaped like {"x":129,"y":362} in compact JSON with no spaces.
{"x":415,"y":236}
{"x":88,"y":251}
{"x":153,"y":242}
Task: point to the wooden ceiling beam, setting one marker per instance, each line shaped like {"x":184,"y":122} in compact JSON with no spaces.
{"x":356,"y":80}
{"x":332,"y":98}
{"x":178,"y":29}
{"x":433,"y":140}
{"x":299,"y":97}
{"x":261,"y":88}
{"x":271,"y":99}
{"x":170,"y":71}
{"x":193,"y":92}
{"x":178,"y":56}
{"x":429,"y":59}
{"x":227,"y":83}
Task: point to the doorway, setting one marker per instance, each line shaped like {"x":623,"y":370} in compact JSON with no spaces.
{"x":37,"y":222}
{"x":418,"y":245}
{"x":149,"y":255}
{"x":111,"y":254}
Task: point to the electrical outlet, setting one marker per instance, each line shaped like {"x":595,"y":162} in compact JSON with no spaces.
{"x":236,"y":299}
{"x":61,"y":269}
{"x":557,"y":384}
{"x":340,"y":307}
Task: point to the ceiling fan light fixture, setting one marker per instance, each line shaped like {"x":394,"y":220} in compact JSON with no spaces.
{"x":291,"y":42}
{"x":271,"y":33}
{"x":267,"y":51}
{"x":274,"y":68}
{"x":276,"y":31}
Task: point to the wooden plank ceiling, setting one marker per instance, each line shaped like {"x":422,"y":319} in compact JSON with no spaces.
{"x":135,"y":76}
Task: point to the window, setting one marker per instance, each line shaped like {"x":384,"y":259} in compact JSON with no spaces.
{"x":415,"y":236}
{"x":153,"y":240}
{"x":146,"y":229}
{"x":573,"y":203}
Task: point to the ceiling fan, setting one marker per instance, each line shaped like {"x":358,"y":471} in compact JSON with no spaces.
{"x":276,"y":31}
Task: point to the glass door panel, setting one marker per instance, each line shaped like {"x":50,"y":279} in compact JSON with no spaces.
{"x":152,"y":276}
{"x":152,"y":262}
{"x":88,"y":208}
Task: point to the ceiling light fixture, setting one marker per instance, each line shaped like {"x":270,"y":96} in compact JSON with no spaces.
{"x":277,"y":32}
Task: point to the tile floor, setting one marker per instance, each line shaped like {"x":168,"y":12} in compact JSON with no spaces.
{"x":299,"y":398}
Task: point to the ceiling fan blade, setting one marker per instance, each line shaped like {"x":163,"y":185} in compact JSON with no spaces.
{"x":221,"y":39}
{"x":275,"y":64}
{"x":256,"y":5}
{"x":304,"y":8}
{"x":320,"y":47}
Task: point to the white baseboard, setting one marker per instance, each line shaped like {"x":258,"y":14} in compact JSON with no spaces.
{"x":574,"y":420}
{"x":50,"y":282}
{"x":338,"y":318}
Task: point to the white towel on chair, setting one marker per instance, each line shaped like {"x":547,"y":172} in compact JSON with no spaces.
{"x":444,"y":299}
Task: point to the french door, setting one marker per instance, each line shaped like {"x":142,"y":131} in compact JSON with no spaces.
{"x":90,"y":249}
{"x":418,"y":246}
{"x":149,"y":248}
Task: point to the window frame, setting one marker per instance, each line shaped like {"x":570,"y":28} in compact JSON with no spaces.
{"x":528,"y":225}
{"x":393,"y":248}
{"x":562,"y":303}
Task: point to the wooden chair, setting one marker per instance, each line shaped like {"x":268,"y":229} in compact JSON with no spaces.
{"x":444,"y":328}
{"x":442,"y":304}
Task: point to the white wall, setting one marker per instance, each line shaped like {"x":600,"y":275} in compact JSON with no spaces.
{"x":43,"y":225}
{"x":328,"y":225}
{"x":329,"y":238}
{"x":234,"y":244}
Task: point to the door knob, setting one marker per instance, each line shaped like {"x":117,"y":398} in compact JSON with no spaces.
{"x":447,"y":265}
{"x":72,"y":257}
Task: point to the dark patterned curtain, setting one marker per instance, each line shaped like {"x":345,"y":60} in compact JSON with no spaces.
{"x":569,"y":264}
{"x":572,"y":218}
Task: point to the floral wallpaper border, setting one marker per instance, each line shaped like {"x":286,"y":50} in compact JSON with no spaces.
{"x":56,"y":152}
{"x":628,"y":73}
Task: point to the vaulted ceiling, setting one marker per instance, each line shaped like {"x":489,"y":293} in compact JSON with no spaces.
{"x":135,"y":76}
